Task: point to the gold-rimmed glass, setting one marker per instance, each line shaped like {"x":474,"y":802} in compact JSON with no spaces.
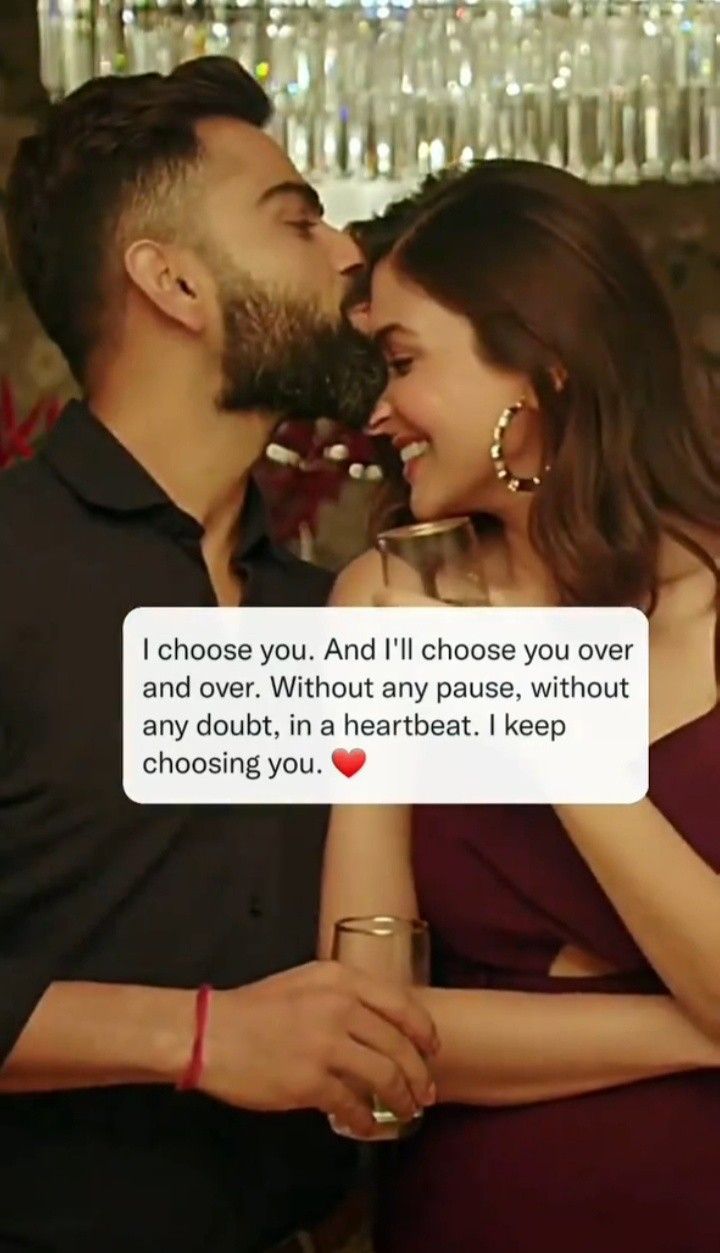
{"x":389,"y":949}
{"x":439,"y":559}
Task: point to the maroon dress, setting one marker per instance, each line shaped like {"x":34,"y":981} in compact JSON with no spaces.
{"x":634,"y":1169}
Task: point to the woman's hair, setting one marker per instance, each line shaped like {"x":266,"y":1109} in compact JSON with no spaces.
{"x":550,"y":280}
{"x":376,"y":237}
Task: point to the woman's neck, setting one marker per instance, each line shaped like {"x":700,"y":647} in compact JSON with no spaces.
{"x":516,"y":574}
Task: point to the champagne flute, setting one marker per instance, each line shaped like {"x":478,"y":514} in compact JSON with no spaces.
{"x":395,"y":950}
{"x":438,"y":559}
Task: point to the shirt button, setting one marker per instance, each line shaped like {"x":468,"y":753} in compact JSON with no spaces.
{"x":255,"y":908}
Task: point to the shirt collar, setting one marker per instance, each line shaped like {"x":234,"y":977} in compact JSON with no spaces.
{"x":100,"y":471}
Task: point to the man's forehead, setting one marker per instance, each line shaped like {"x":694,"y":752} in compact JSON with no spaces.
{"x":237,"y":151}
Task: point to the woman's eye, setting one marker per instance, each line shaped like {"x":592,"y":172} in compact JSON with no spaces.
{"x":305,"y":227}
{"x":398,"y":366}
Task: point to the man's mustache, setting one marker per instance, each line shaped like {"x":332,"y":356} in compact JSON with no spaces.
{"x":286,"y":358}
{"x":361,"y":377}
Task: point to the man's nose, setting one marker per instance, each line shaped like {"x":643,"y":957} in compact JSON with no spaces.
{"x":359,"y":316}
{"x":344,"y":253}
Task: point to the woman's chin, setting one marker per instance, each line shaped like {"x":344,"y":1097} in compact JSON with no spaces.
{"x":429,"y":501}
{"x":426,"y":506}
{"x":420,"y":506}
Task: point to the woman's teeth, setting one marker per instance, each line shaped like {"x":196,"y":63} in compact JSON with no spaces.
{"x":416,"y":449}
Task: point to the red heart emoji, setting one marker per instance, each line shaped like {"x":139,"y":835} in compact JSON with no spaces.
{"x":348,"y":763}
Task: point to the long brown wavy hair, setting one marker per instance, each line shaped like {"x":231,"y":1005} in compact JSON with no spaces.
{"x":549,"y":277}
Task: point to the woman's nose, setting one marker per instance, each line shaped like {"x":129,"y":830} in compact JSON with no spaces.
{"x":379,"y":418}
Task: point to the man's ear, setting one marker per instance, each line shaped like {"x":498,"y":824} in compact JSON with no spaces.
{"x":158,"y":272}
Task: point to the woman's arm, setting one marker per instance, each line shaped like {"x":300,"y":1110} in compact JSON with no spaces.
{"x":514,"y":1048}
{"x":498,"y":1047}
{"x":667,"y":896}
{"x":367,"y":869}
{"x":505,"y":1048}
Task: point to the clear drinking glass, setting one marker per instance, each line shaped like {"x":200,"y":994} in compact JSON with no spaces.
{"x":391,"y":949}
{"x":438,"y":559}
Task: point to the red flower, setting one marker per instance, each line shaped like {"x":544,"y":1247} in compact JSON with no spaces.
{"x":295,"y":491}
{"x":17,"y":435}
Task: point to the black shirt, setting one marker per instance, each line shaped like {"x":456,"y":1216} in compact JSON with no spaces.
{"x":95,"y":887}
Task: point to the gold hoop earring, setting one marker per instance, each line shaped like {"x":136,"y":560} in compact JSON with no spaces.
{"x":513,"y":482}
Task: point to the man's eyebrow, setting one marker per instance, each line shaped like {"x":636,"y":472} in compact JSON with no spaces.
{"x":292,"y":188}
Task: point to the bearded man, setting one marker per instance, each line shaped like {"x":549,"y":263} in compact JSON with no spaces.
{"x":174,"y":254}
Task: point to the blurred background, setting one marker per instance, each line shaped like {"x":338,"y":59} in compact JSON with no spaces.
{"x":369,"y":99}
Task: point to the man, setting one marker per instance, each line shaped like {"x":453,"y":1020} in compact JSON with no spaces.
{"x":176,"y":257}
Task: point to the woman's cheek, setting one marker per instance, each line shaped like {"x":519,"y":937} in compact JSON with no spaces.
{"x":428,"y":404}
{"x":405,"y":400}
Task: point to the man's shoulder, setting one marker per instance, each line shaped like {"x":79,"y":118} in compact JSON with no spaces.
{"x":18,"y":481}
{"x":24,"y":492}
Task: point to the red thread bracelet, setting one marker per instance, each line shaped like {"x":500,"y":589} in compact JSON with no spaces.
{"x":190,"y":1077}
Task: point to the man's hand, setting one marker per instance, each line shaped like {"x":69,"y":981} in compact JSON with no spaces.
{"x":324,"y":1037}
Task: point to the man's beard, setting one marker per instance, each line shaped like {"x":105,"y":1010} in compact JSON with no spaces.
{"x":285,"y":357}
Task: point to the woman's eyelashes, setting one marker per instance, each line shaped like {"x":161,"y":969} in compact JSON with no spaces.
{"x":399,"y":366}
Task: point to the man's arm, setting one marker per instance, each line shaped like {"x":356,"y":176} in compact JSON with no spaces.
{"x":87,"y":1035}
{"x":321,"y":1036}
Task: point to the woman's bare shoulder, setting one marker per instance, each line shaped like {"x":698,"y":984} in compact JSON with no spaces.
{"x":688,"y":584}
{"x":357,"y":584}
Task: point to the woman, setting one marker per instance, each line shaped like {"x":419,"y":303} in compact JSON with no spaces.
{"x":536,"y":383}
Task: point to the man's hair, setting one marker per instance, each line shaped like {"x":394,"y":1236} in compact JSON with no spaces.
{"x":115,"y":145}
